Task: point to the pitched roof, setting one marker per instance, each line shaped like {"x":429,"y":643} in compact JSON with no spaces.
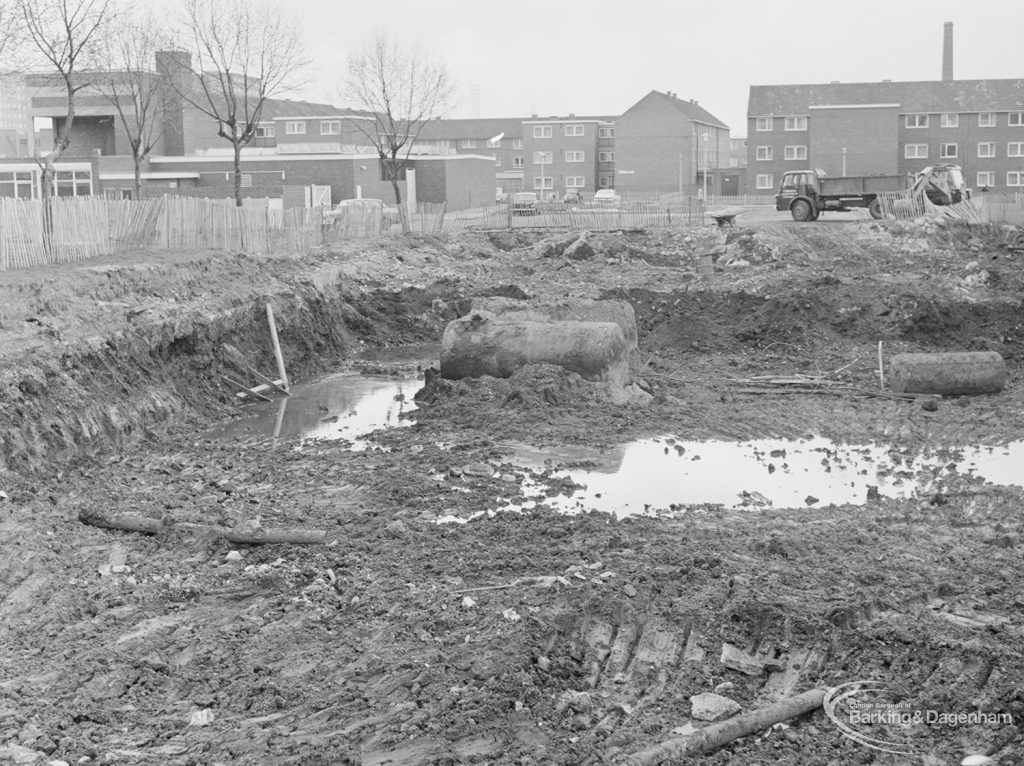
{"x":689,"y":109}
{"x":275,"y":108}
{"x":921,"y":96}
{"x":480,"y":128}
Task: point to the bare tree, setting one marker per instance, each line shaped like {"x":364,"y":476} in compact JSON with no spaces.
{"x":131,"y":86}
{"x":402,"y":89}
{"x":244,"y":53}
{"x":64,"y":34}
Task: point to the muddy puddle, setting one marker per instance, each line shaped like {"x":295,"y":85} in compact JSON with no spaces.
{"x":342,"y":406}
{"x":665,"y":475}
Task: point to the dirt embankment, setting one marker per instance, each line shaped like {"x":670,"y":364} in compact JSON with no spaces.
{"x":514,"y":638}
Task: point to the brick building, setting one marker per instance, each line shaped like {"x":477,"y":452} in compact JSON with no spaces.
{"x":665,"y":144}
{"x":890,"y":128}
{"x":563,"y":153}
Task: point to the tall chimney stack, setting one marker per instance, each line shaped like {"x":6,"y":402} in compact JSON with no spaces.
{"x":947,"y":52}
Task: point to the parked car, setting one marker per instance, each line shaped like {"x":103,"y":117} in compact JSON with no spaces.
{"x":572,"y":197}
{"x":525,"y":203}
{"x":606,"y":197}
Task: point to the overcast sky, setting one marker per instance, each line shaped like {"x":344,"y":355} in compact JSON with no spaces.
{"x":599,"y":57}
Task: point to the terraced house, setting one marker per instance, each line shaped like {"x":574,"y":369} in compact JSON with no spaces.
{"x":889,"y":128}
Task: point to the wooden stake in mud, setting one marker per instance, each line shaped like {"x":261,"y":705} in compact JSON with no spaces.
{"x":277,"y":347}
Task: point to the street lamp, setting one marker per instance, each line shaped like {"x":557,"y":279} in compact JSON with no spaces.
{"x":844,"y":162}
{"x":539,"y":156}
{"x":680,"y":175}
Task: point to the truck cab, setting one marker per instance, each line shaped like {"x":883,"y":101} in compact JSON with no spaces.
{"x":798,"y":192}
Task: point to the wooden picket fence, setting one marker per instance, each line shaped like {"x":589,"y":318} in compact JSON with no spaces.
{"x":80,"y":228}
{"x":632,"y":210}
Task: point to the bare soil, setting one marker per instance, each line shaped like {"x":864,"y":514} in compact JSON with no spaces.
{"x":517,"y":637}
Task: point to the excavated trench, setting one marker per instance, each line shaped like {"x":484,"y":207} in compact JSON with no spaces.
{"x":520,"y":638}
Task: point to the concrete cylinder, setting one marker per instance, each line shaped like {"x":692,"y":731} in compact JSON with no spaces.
{"x":480,"y":344}
{"x":575,"y":310}
{"x":949,"y":373}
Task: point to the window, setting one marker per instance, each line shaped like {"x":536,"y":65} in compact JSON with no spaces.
{"x":948,"y":151}
{"x":916,"y":151}
{"x":986,"y":178}
{"x":606,"y":132}
{"x":575,"y":182}
{"x":1015,"y":178}
{"x":796,"y":123}
{"x":796,"y":152}
{"x":543,"y":182}
{"x":574,"y":130}
{"x":542,"y":131}
{"x":1015,"y":149}
{"x":764,"y":181}
{"x":1016,"y":119}
{"x":764,"y":124}
{"x":542,"y":158}
{"x":295,"y":128}
{"x":606,"y":182}
{"x":949,"y":121}
{"x":575,"y":156}
{"x":987,"y":120}
{"x":606,"y":156}
{"x":16,"y":184}
{"x":265,"y":131}
{"x":330,"y":127}
{"x":517,"y":162}
{"x":917,"y":120}
{"x":517,"y":143}
{"x":764,"y":152}
{"x":987,"y":149}
{"x":468,"y":143}
{"x":73,"y":183}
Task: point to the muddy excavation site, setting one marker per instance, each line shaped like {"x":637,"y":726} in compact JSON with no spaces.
{"x":389,"y":566}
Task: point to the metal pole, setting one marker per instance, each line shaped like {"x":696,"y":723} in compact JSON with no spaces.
{"x":844,"y":162}
{"x":705,"y":168}
{"x":680,"y":175}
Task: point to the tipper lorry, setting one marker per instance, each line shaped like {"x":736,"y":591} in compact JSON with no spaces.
{"x":808,"y":193}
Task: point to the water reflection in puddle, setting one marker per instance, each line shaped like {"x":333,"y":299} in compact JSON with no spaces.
{"x":666,"y":474}
{"x":342,"y":406}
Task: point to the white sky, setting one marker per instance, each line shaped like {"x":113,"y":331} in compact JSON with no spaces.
{"x":597,"y":57}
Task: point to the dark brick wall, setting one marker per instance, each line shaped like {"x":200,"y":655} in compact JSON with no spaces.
{"x":649,"y":140}
{"x":869,"y":135}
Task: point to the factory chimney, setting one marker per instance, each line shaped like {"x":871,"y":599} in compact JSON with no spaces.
{"x":947,"y":52}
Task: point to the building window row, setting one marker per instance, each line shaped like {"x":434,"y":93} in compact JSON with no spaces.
{"x":606,"y":156}
{"x":952,"y":120}
{"x":607,"y":132}
{"x":764,"y":181}
{"x":574,"y":156}
{"x":543,"y":158}
{"x":795,"y":123}
{"x":265,"y":131}
{"x":330,"y":127}
{"x":796,"y":152}
{"x":574,"y":130}
{"x":468,"y":143}
{"x":295,"y":128}
{"x":986,"y":150}
{"x":543,"y":182}
{"x":517,"y":162}
{"x":575,"y":182}
{"x":542,"y":131}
